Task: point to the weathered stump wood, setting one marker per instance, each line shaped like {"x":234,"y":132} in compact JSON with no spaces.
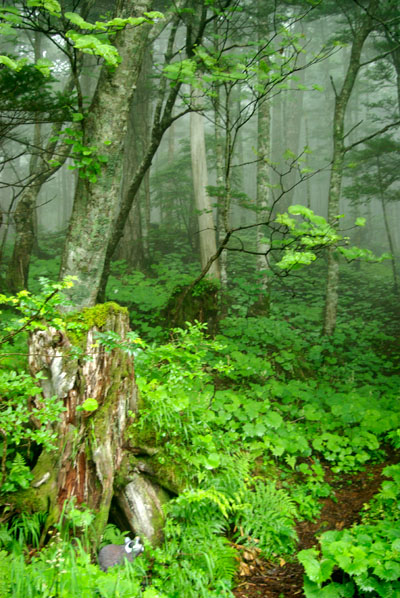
{"x":140,"y":502}
{"x":90,"y":444}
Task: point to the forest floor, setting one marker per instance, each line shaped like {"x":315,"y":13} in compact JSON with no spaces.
{"x":262,"y":579}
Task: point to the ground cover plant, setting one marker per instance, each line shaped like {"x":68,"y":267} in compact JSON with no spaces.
{"x":253,"y":418}
{"x":367,"y":555}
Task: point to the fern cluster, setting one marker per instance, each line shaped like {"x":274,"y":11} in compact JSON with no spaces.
{"x":266,"y":520}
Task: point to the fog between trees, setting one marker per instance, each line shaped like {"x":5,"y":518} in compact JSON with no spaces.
{"x":294,"y":103}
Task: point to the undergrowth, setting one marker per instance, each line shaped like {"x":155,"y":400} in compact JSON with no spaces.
{"x":251,"y":419}
{"x":366,"y":557}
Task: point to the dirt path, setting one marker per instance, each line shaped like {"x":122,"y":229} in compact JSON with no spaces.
{"x":285,"y":580}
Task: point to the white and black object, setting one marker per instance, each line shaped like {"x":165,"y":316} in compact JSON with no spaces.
{"x":114,"y":554}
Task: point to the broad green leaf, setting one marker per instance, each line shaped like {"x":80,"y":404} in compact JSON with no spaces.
{"x":52,"y":6}
{"x":89,"y":404}
{"x":90,"y":44}
{"x":44,"y":65}
{"x":318,"y":571}
{"x":154,"y":14}
{"x":212,"y":461}
{"x":76,"y":19}
{"x":273,"y":419}
{"x":295,"y":259}
{"x":12,"y":64}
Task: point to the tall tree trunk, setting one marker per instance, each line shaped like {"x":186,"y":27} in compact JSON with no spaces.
{"x":219,"y":164}
{"x":25,"y":215}
{"x":361,"y":32}
{"x":131,"y":244}
{"x":387,"y":228}
{"x":391,"y":247}
{"x":263,"y":197}
{"x":96,"y":201}
{"x":18,"y":269}
{"x":162,"y":120}
{"x":207,"y":236}
{"x":263,"y":191}
{"x":292,"y":111}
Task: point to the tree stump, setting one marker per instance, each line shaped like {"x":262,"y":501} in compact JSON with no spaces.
{"x":90,"y":443}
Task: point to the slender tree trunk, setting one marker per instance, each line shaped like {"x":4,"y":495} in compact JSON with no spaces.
{"x":292,"y":115}
{"x":395,"y":55}
{"x":342,"y":98}
{"x":147,"y":215}
{"x":391,"y":247}
{"x":263,"y":197}
{"x":219,"y":164}
{"x":18,"y":269}
{"x":308,"y":184}
{"x":387,"y":229}
{"x":96,"y":201}
{"x":25,"y":216}
{"x":263,"y":191}
{"x":207,"y":236}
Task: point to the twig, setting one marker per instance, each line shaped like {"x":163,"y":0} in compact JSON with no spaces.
{"x":31,"y":319}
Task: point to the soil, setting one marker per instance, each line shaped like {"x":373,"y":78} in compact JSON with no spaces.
{"x":262,"y":579}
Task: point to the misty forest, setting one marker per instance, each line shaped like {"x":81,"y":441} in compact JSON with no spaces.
{"x":199,"y":290}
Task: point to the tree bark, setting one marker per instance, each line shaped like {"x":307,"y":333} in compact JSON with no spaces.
{"x":130,"y":246}
{"x":207,"y":236}
{"x":219,"y":164}
{"x":342,"y":98}
{"x":387,"y":227}
{"x":263,"y":198}
{"x":96,"y":202}
{"x":161,"y":122}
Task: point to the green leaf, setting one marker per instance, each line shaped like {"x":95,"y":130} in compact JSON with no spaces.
{"x":89,"y":404}
{"x":76,"y":19}
{"x":183,"y":71}
{"x":52,"y":6}
{"x":12,"y":64}
{"x":90,"y":44}
{"x":212,"y":461}
{"x":293,"y":260}
{"x":360,"y":221}
{"x":317,"y":571}
{"x":273,"y":419}
{"x":396,"y":545}
{"x":154,"y":14}
{"x":44,"y":65}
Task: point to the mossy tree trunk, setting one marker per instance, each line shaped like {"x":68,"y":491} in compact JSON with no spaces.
{"x":90,"y":443}
{"x":97,"y":198}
